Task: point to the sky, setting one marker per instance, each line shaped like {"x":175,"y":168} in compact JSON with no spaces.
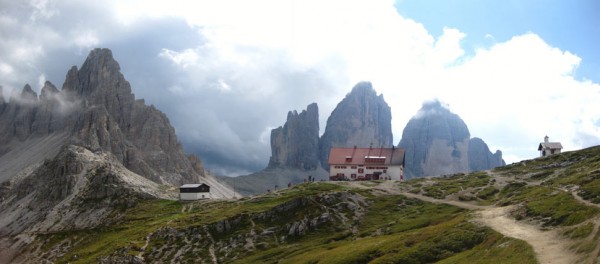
{"x":227,"y":72}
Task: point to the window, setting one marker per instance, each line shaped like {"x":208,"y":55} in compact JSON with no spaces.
{"x":353,"y":167}
{"x":377,"y":160}
{"x":353,"y":176}
{"x":361,"y":171}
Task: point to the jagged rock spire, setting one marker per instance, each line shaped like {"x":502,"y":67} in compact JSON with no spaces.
{"x":296,"y":144}
{"x":362,"y":118}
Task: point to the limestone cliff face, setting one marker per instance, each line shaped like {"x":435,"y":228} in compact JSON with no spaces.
{"x":481,"y":158}
{"x":361,"y":119}
{"x":437,"y":142}
{"x":296,"y":144}
{"x":97,"y":109}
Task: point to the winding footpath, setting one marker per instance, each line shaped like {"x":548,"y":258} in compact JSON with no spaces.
{"x":548,"y":246}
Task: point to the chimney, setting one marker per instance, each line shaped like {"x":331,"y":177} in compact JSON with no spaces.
{"x":546,"y":139}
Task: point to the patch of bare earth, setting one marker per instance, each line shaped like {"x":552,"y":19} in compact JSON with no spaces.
{"x":548,"y":245}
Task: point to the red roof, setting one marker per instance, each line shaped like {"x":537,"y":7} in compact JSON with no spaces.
{"x":358,"y":156}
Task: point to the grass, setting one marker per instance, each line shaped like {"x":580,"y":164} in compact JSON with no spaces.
{"x":394,"y":214}
{"x":553,"y":207}
{"x":487,"y":193}
{"x":150,"y":215}
{"x":580,"y":232}
{"x":393,"y":228}
{"x":498,"y":248}
{"x":448,"y":185}
{"x":144,"y":218}
{"x":426,"y":244}
{"x":575,"y":167}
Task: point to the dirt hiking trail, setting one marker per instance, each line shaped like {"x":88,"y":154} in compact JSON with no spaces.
{"x":549,"y":246}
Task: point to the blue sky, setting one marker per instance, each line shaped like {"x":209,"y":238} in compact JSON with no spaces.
{"x":573,"y":26}
{"x":227,"y":72}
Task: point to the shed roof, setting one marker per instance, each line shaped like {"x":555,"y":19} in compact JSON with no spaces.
{"x":192,"y":185}
{"x":357,"y":156}
{"x":550,"y":145}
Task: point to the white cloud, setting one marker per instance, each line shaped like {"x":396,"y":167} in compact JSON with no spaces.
{"x":256,"y":60}
{"x":183,"y":59}
{"x":42,"y":9}
{"x":87,"y":39}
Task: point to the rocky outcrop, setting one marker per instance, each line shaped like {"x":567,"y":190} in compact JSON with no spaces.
{"x":437,"y":142}
{"x":76,"y":189}
{"x":362,"y":119}
{"x":296,"y":144}
{"x":97,"y":109}
{"x":481,"y":158}
{"x":227,"y":240}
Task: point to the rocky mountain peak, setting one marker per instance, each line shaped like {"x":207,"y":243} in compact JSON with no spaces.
{"x":480,"y":156}
{"x":296,"y":144}
{"x":362,"y":119}
{"x":71,"y":85}
{"x":363,"y":88}
{"x":100,"y":72}
{"x":48,"y":91}
{"x":437,"y":142}
{"x":28,"y":95}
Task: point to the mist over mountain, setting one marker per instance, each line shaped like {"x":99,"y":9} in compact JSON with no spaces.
{"x":437,"y":142}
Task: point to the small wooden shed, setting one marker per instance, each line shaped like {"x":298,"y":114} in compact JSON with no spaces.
{"x":196,"y":191}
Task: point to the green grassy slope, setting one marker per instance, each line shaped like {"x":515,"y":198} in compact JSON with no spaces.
{"x":329,"y":223}
{"x":310,"y":223}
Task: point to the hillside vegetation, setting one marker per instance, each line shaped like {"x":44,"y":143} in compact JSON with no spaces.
{"x":450,"y":219}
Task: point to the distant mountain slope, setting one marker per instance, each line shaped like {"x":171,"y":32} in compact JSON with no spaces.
{"x":437,"y":142}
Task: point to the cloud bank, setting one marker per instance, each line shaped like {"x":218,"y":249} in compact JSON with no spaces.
{"x":227,"y":72}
